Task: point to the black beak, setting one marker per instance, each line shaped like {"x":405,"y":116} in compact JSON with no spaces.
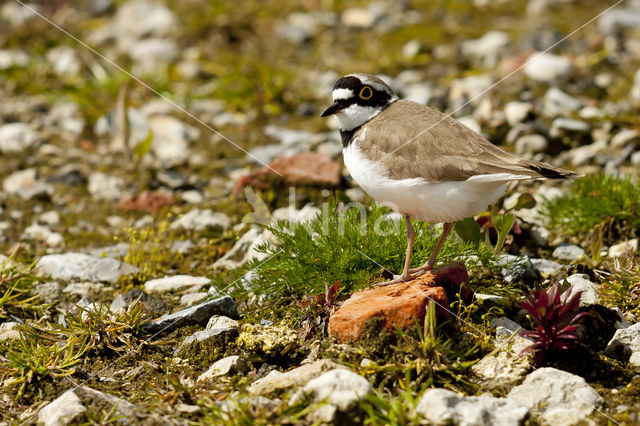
{"x":333,"y":108}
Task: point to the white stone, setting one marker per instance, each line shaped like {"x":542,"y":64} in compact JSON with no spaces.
{"x":64,"y":61}
{"x":301,"y":26}
{"x":471,"y":123}
{"x":277,"y":381}
{"x":417,"y":92}
{"x":590,"y":290}
{"x":442,"y":406}
{"x":51,"y":217}
{"x":358,"y":18}
{"x":620,"y":249}
{"x":626,"y":342}
{"x":82,"y":266}
{"x":105,"y":187}
{"x":472,"y":87}
{"x":591,"y":113}
{"x":49,"y":292}
{"x":83,"y":289}
{"x":62,"y":411}
{"x":561,"y":125}
{"x":540,"y":235}
{"x":142,"y":18}
{"x":488,"y":49}
{"x":340,"y":388}
{"x":17,"y":14}
{"x":411,"y":49}
{"x":224,"y":367}
{"x":546,"y":267}
{"x":176,"y":283}
{"x":517,"y":112}
{"x":557,"y":102}
{"x":16,"y":137}
{"x":556,"y":395}
{"x":570,"y":252}
{"x":25,"y":184}
{"x":583,"y":155}
{"x":243,"y":250}
{"x":36,"y":232}
{"x":290,"y":137}
{"x":199,"y":220}
{"x":9,"y":331}
{"x":220,"y":321}
{"x":531,"y":144}
{"x":615,"y":21}
{"x":501,"y":370}
{"x":151,"y":54}
{"x":355,"y":194}
{"x":547,"y":67}
{"x":192,"y":197}
{"x":171,"y":138}
{"x":13,"y":58}
{"x":623,"y":137}
{"x":507,"y":335}
{"x":191,"y":299}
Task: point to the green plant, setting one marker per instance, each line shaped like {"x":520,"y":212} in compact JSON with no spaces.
{"x":557,"y":319}
{"x":426,"y":352}
{"x":612,"y":202}
{"x":147,"y":248}
{"x":621,"y":287}
{"x":595,"y":247}
{"x":495,"y":225}
{"x":244,"y":410}
{"x":349,"y":245}
{"x":400,"y":410}
{"x":35,"y":357}
{"x":106,"y":331}
{"x":16,"y":283}
{"x":103,"y":417}
{"x":318,"y":309}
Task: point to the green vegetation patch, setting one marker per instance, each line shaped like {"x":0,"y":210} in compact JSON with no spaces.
{"x":355,"y":246}
{"x":609,"y":201}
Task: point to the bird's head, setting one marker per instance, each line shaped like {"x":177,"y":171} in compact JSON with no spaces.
{"x":357,"y":98}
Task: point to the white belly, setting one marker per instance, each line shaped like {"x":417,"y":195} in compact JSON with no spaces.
{"x":431,"y":202}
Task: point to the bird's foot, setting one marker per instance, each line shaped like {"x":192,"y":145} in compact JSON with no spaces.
{"x":401,"y":278}
{"x":421,"y":269}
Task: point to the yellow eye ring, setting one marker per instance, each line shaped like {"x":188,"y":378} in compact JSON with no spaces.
{"x":366,"y":93}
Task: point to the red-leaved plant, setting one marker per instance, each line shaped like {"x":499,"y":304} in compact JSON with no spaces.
{"x":557,"y":320}
{"x":319,"y":308}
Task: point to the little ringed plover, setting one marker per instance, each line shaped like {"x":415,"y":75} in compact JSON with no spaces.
{"x":420,"y":162}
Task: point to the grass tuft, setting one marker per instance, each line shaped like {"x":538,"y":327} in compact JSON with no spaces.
{"x":609,"y":201}
{"x":354,"y":246}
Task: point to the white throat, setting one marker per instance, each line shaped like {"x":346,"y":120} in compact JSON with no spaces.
{"x":355,"y":116}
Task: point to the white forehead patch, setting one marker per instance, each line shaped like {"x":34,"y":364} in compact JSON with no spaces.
{"x":342,"y":94}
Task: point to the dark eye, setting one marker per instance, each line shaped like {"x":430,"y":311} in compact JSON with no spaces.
{"x":365,"y":93}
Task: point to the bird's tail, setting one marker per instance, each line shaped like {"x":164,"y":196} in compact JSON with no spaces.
{"x":551,"y":172}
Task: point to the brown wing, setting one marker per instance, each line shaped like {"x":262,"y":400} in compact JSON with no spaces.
{"x":439,"y":148}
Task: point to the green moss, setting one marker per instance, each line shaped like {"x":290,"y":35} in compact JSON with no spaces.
{"x":207,"y":352}
{"x":269,"y":341}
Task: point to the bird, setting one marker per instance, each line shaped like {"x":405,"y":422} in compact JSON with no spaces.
{"x":420,"y":162}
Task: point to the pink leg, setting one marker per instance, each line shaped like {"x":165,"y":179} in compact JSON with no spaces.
{"x":446,"y":230}
{"x":406,"y":273}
